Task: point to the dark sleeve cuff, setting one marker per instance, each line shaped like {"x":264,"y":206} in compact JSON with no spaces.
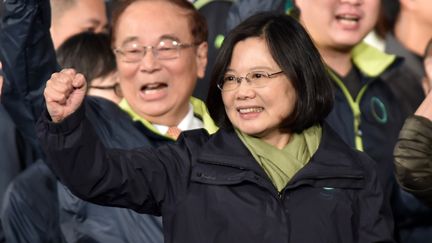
{"x":415,"y":126}
{"x":426,"y":123}
{"x":66,"y":126}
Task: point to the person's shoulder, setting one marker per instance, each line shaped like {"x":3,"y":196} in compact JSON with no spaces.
{"x":200,"y":138}
{"x":99,"y":103}
{"x":334,"y":149}
{"x":103,"y":110}
{"x":35,"y":180}
{"x":195,"y":136}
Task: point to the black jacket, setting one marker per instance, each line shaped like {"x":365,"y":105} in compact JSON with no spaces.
{"x":15,"y":155}
{"x":29,"y":212}
{"x":210,"y":188}
{"x":28,"y":59}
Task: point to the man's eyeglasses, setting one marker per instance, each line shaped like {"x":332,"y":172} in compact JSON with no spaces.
{"x":165,"y":50}
{"x":255,"y":79}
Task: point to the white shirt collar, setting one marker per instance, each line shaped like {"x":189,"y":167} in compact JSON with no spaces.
{"x":189,"y":122}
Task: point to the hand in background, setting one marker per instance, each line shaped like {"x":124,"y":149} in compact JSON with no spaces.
{"x":425,"y":108}
{"x":428,"y":68}
{"x":427,"y":65}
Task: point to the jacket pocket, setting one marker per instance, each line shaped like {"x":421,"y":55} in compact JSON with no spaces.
{"x":218,"y":175}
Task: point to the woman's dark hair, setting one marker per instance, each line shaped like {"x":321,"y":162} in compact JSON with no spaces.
{"x":428,"y":49}
{"x":88,"y":53}
{"x":294,"y":52}
{"x":388,"y":14}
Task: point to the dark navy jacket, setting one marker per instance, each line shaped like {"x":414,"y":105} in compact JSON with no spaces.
{"x":372,"y":121}
{"x":28,"y":58}
{"x":210,"y":188}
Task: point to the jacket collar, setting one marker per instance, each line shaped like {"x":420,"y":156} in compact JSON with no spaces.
{"x":199,"y":109}
{"x":226,"y":148}
{"x":333,"y":159}
{"x":371,"y":61}
{"x":392,"y":45}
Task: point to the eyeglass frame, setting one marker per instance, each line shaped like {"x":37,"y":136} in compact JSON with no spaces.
{"x":155,"y":51}
{"x":239,"y":79}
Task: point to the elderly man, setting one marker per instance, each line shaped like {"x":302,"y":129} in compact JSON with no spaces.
{"x":161,"y":51}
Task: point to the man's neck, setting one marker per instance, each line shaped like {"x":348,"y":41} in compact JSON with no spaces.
{"x":338,"y":61}
{"x":171,"y":118}
{"x":412,"y":34}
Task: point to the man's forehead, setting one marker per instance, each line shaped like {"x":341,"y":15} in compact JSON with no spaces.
{"x":164,"y":37}
{"x":156,"y":8}
{"x":150,"y":24}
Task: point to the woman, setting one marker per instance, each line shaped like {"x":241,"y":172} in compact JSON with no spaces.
{"x":273,"y":172}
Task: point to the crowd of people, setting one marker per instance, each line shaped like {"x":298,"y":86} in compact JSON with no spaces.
{"x":307,"y":133}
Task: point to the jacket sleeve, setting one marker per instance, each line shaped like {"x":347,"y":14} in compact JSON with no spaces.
{"x":87,"y":222}
{"x":413,"y":158}
{"x":13,"y":152}
{"x":376,"y":220}
{"x":28,"y":58}
{"x":27,"y":211}
{"x":138,"y":179}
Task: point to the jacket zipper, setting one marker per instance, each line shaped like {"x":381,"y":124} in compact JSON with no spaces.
{"x":355,"y":109}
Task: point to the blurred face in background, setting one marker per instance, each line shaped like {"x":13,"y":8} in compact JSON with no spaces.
{"x":338,"y":24}
{"x":106,"y":87}
{"x":77,"y":17}
{"x":158,"y":90}
{"x":421,"y":10}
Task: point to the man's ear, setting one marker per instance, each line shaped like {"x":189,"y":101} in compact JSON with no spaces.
{"x":201,"y":59}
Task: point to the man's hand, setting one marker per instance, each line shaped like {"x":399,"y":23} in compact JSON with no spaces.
{"x":64,"y":93}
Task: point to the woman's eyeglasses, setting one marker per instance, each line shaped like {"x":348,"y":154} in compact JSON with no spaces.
{"x":255,"y":79}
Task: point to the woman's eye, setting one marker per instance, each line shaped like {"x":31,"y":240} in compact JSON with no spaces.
{"x":229,"y":78}
{"x":257,"y":75}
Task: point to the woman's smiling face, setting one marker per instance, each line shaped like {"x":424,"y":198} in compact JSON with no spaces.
{"x":258,"y":111}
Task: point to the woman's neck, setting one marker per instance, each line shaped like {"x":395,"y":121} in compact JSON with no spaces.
{"x":279,"y":141}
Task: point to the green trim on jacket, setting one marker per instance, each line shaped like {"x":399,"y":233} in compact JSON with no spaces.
{"x":355,"y":107}
{"x":199,"y":109}
{"x":372,"y":63}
